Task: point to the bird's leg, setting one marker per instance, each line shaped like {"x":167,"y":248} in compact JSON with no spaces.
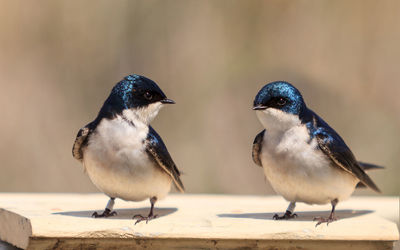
{"x":331,"y":217}
{"x":107,"y":211}
{"x":288,"y":214}
{"x":150,"y":216}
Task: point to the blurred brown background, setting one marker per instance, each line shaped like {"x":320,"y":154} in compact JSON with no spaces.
{"x":60,"y":59}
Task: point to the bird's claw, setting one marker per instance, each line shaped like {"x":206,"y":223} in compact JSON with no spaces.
{"x":105,"y":214}
{"x":143,"y":218}
{"x":324,"y":220}
{"x":286,"y":216}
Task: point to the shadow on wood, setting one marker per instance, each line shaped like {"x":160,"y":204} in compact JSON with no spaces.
{"x":301,"y":216}
{"x":126,"y":213}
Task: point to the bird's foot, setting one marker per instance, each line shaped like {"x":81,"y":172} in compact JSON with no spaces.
{"x":328,"y":220}
{"x":140,"y":218}
{"x":288,"y":215}
{"x":107,"y":213}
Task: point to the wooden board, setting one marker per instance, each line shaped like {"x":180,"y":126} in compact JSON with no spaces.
{"x":63,"y":221}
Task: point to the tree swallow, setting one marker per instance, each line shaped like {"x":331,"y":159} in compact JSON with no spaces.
{"x":125,"y":157}
{"x":303,"y":158}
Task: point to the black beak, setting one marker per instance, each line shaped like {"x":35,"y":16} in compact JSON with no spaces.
{"x":259,"y":107}
{"x":167,"y":101}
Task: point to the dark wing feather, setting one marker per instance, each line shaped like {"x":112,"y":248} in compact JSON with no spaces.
{"x":366,"y":167}
{"x":158,"y":152}
{"x":81,"y":141}
{"x":257,"y":147}
{"x":335,"y":148}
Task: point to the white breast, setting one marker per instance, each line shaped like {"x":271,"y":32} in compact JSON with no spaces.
{"x":296,"y":168}
{"x":116,"y":162}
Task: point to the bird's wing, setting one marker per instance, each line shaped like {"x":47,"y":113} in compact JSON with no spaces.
{"x":158,"y":152}
{"x":366,"y":167}
{"x":334,"y":147}
{"x":257,"y":146}
{"x":81,"y":141}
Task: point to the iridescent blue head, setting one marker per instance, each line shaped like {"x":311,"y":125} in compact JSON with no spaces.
{"x":282,"y":96}
{"x":133,"y":92}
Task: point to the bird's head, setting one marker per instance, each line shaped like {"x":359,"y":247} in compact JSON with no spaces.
{"x":279,"y":104}
{"x":138,"y":96}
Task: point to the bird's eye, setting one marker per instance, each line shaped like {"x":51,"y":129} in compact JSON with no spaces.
{"x":148,"y":96}
{"x":281,"y":101}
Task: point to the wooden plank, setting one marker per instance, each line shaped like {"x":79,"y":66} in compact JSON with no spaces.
{"x":44,"y":221}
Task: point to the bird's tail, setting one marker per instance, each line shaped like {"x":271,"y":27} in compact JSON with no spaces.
{"x":367,"y":167}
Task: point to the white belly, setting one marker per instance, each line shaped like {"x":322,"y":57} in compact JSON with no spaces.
{"x":118,"y":165}
{"x":299,"y":171}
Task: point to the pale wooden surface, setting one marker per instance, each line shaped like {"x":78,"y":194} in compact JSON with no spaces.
{"x":37,"y":221}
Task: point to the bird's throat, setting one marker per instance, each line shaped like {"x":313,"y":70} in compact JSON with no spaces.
{"x":275,"y":120}
{"x":143,"y":114}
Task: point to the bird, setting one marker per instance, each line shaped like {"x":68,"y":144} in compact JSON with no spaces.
{"x":303,"y":158}
{"x":122,"y":154}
